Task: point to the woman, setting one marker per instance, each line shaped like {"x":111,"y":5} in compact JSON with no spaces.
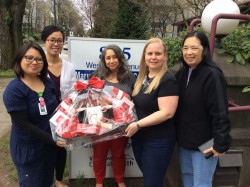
{"x":62,"y":73}
{"x":155,"y":96}
{"x":113,"y":68}
{"x":30,"y":100}
{"x":202,"y":111}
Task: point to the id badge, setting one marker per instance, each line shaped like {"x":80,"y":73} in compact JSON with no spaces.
{"x":42,"y":109}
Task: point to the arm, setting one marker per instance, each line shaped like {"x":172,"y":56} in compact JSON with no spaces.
{"x":167,"y":107}
{"x":22,"y":122}
{"x":217,"y":105}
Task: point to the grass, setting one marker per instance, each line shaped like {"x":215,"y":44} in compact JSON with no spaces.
{"x":6,"y":161}
{"x":7,"y":73}
{"x":7,"y":165}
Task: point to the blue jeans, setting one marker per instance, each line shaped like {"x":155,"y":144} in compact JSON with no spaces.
{"x":153,"y":157}
{"x":196,"y":170}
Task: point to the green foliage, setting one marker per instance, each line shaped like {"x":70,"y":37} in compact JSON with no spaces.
{"x":8,"y":73}
{"x":131,"y":22}
{"x":36,"y":36}
{"x":79,"y":180}
{"x":174,"y":48}
{"x":237,"y":45}
{"x":28,"y":39}
{"x":103,"y":24}
{"x":246,"y":89}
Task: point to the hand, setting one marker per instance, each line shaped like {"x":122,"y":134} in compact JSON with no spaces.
{"x":131,"y":129}
{"x":61,"y":143}
{"x":211,"y":150}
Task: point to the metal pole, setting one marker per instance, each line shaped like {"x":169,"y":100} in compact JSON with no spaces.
{"x":214,"y":25}
{"x":192,"y":24}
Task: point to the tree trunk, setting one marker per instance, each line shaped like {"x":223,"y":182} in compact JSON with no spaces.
{"x":11,"y":18}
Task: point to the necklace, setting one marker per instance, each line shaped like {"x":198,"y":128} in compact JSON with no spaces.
{"x":146,"y":82}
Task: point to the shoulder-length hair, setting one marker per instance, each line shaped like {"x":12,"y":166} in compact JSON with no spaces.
{"x":123,"y":71}
{"x":144,"y":70}
{"x":19,"y":56}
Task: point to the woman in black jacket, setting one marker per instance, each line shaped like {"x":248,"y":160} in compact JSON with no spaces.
{"x":202,"y":112}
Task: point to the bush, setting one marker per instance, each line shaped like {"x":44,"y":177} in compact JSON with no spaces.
{"x":237,"y":45}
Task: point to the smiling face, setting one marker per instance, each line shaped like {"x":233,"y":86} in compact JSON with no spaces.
{"x":111,"y":60}
{"x":54,"y":48}
{"x":192,"y":51}
{"x":155,"y":56}
{"x":32,"y":68}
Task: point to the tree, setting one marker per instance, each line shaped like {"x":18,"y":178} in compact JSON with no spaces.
{"x":131,"y":22}
{"x":11,"y":17}
{"x":104,"y":17}
{"x":69,"y":17}
{"x":87,"y":9}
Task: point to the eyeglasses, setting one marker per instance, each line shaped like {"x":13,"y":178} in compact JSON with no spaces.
{"x":192,"y":48}
{"x":53,"y":41}
{"x":30,"y":59}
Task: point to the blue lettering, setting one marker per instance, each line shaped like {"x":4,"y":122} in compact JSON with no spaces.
{"x":83,"y":74}
{"x":134,"y":67}
{"x":91,"y":65}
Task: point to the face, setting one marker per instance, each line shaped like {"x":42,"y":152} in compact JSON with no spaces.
{"x":111,"y":60}
{"x":192,"y":52}
{"x":32,"y":62}
{"x":54,"y":43}
{"x":155,"y":56}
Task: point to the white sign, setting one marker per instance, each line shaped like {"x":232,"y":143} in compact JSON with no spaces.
{"x":81,"y":163}
{"x":84,"y":53}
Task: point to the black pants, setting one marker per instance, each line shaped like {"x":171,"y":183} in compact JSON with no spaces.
{"x":61,"y":157}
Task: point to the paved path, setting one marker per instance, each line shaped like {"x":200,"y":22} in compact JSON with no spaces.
{"x":5,"y":124}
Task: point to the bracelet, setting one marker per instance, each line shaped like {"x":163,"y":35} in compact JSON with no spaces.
{"x":138,"y":126}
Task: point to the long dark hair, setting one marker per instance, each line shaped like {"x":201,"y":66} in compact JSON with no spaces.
{"x":103,"y":71}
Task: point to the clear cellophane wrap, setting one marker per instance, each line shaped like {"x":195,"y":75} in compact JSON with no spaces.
{"x":92,"y":112}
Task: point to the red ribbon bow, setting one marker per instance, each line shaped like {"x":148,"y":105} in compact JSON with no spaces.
{"x":80,"y":86}
{"x":95,"y":82}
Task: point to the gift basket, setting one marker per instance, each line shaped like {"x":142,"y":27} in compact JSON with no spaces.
{"x":93,"y":111}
